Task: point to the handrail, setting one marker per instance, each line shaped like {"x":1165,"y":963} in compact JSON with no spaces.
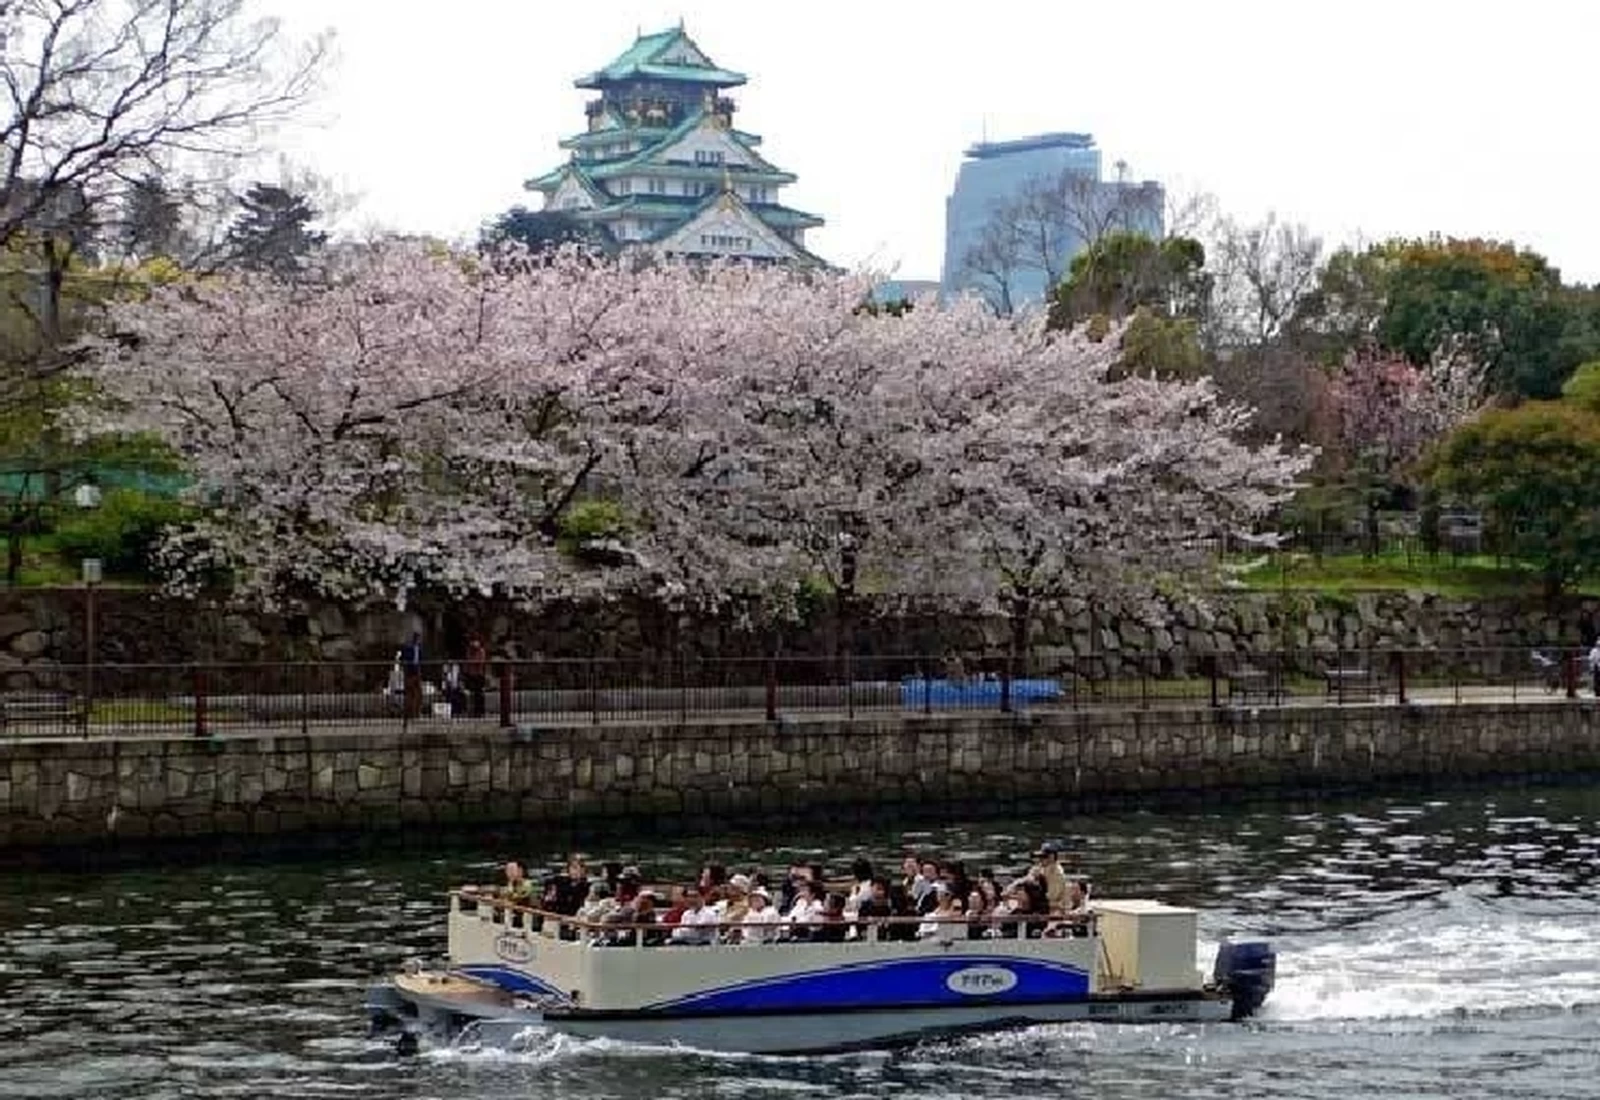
{"x":1087,"y":917}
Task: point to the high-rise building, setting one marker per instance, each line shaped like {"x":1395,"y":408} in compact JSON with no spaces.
{"x":660,"y":165}
{"x":1022,"y":209}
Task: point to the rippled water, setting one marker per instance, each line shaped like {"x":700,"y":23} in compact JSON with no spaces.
{"x":1439,"y":947}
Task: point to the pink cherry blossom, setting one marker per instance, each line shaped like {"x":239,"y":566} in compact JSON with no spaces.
{"x":425,"y":420}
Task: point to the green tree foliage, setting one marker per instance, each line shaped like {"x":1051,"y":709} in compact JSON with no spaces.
{"x":1535,"y":472}
{"x":151,"y":220}
{"x":1124,"y":272}
{"x":1160,"y":288}
{"x":1504,"y":306}
{"x":48,"y":299}
{"x":1583,"y":387}
{"x":273,"y":231}
{"x":537,"y":230}
{"x":122,"y":532}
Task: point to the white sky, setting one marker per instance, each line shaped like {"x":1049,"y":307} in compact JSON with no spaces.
{"x":1354,"y":116}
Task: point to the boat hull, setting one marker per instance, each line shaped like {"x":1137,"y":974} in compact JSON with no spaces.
{"x":447,"y":1006}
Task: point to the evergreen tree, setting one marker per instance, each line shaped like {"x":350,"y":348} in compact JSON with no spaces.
{"x":152,"y":220}
{"x":273,"y":231}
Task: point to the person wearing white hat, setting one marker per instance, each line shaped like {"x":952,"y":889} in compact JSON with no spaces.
{"x":760,"y":922}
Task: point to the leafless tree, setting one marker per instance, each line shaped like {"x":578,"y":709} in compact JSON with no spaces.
{"x":1048,"y":220}
{"x":995,"y":259}
{"x":1263,"y":273}
{"x":99,"y":93}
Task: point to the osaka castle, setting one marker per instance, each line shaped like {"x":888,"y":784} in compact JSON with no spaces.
{"x":661,"y":166}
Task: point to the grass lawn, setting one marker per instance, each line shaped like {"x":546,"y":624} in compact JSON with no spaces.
{"x":1443,"y":575}
{"x":1479,"y":576}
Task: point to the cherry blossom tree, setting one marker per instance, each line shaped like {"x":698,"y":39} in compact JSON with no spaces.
{"x":425,"y":420}
{"x":1386,"y":413}
{"x":1048,"y":477}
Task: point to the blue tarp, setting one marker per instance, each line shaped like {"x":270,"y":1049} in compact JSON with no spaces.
{"x":915,"y":692}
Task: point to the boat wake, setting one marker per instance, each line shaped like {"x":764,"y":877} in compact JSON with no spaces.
{"x":1461,"y":955}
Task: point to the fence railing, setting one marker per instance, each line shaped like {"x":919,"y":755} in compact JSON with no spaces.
{"x":206,"y":699}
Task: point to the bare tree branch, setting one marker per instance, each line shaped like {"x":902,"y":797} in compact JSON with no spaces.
{"x":1264,"y":271}
{"x":98,"y":92}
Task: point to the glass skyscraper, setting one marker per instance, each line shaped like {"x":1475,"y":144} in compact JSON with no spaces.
{"x":995,"y":174}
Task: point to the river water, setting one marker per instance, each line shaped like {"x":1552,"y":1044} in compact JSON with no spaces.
{"x":1445,"y":944}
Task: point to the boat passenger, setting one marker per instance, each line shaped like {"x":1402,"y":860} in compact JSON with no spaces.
{"x":798,"y":873}
{"x":874,"y":908}
{"x":977,"y":914}
{"x":806,"y":911}
{"x":1016,"y":911}
{"x":565,"y":892}
{"x":1047,"y":869}
{"x":698,"y":924}
{"x":599,"y":906}
{"x":628,"y":885}
{"x":943,"y":923}
{"x":833,"y":927}
{"x":514,"y":887}
{"x":641,"y":910}
{"x":901,"y":902}
{"x":732,"y":907}
{"x":861,"y":872}
{"x":712,"y":875}
{"x":760,"y":921}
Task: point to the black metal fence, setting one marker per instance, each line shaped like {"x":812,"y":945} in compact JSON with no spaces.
{"x":206,"y":699}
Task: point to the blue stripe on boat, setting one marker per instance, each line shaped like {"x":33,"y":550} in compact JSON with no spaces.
{"x":961,"y":979}
{"x":514,"y":981}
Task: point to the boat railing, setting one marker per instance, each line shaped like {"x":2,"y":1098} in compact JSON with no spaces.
{"x":533,"y":921}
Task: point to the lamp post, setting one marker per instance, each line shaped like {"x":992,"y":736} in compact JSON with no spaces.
{"x":847,"y":596}
{"x":87,"y":498}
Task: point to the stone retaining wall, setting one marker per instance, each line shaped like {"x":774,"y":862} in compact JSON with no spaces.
{"x":64,"y":792}
{"x":41,"y":629}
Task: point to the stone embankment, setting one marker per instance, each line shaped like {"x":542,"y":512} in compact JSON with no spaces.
{"x":43,"y":628}
{"x":818,"y":769}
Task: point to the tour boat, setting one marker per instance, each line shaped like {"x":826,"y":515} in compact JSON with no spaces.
{"x":512,"y":969}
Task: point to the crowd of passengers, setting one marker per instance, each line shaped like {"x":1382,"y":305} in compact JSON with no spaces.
{"x":932,"y":899}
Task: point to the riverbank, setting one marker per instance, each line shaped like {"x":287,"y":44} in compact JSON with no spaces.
{"x":681,"y":778}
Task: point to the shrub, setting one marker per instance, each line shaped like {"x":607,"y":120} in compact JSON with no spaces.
{"x":122,"y":532}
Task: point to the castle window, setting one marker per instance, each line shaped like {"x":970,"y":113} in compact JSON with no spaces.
{"x":658,"y":186}
{"x":622,"y":187}
{"x":724,"y":242}
{"x":708,"y":156}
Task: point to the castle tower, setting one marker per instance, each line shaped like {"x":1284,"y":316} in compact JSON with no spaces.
{"x":660,"y":165}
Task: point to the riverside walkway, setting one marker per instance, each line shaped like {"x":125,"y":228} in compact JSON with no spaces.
{"x":332,"y":715}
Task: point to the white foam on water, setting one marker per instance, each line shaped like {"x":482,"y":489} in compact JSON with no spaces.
{"x":1461,"y":956}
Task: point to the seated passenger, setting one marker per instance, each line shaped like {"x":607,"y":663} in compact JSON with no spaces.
{"x":873,"y":907}
{"x":731,"y":908}
{"x":1012,"y":911}
{"x":805,"y":912}
{"x":904,"y":928}
{"x":977,"y":911}
{"x":861,"y":873}
{"x":943,"y":923}
{"x":698,"y":924}
{"x":760,"y":921}
{"x":599,"y":905}
{"x":832,"y":928}
{"x":642,"y":910}
{"x":565,"y":892}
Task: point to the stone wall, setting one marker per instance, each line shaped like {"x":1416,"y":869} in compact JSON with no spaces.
{"x":40,"y":628}
{"x":64,"y":792}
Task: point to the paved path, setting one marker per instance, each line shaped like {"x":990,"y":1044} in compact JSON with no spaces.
{"x":222,"y":725}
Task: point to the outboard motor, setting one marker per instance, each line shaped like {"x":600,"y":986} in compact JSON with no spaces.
{"x":1247,"y":971}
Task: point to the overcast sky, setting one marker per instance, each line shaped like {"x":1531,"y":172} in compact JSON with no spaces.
{"x":1353,"y":116}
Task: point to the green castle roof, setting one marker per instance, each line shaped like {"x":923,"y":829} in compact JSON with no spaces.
{"x":760,"y":171}
{"x":643,"y":60}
